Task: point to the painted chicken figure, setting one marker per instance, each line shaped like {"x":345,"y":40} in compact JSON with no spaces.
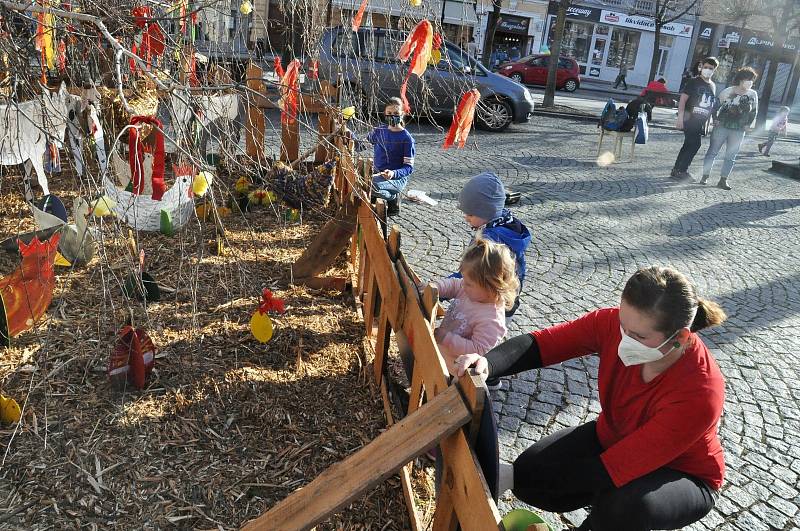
{"x":26,"y":293}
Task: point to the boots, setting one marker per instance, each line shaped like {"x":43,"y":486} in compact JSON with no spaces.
{"x":723,"y":184}
{"x":704,"y":180}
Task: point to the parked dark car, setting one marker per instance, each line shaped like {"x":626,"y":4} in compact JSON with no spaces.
{"x":371,"y":74}
{"x":532,"y":70}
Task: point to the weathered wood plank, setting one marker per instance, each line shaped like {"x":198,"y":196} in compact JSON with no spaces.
{"x":347,"y":480}
{"x":329,"y":243}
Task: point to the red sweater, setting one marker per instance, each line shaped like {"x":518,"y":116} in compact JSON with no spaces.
{"x":668,"y":422}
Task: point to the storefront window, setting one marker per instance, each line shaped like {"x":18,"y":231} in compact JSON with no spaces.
{"x":577,"y":37}
{"x":623,"y":48}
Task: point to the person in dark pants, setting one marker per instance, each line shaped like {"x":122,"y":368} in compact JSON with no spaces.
{"x":652,"y":459}
{"x":621,"y":76}
{"x":694,"y":110}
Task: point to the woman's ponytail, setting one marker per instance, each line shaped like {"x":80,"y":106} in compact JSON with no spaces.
{"x":709,"y":314}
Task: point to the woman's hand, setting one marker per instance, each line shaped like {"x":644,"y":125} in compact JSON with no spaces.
{"x":476,"y":361}
{"x":388,"y":174}
{"x":679,"y":124}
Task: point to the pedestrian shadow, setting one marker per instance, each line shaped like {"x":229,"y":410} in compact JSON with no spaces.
{"x":733,"y":215}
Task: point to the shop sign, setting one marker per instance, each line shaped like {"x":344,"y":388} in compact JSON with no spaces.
{"x":644,"y":23}
{"x":723,"y":43}
{"x":594,"y":72}
{"x":511,"y":24}
{"x":706,"y":31}
{"x":577,"y":12}
{"x":755,"y":40}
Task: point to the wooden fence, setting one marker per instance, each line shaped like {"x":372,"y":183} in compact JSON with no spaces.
{"x":385,"y":289}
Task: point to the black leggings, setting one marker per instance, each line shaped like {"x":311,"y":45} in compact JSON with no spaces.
{"x":663,"y":499}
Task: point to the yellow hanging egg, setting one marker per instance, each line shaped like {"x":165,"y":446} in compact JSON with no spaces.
{"x":436,"y":56}
{"x":261,"y":326}
{"x":415,"y":3}
{"x":348,"y":112}
{"x":246,"y":8}
{"x":201,"y":182}
{"x":9,"y":410}
{"x":103,"y":206}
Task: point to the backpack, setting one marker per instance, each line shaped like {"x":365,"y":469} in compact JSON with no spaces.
{"x":612,"y":119}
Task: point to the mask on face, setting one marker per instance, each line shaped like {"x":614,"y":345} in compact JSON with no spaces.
{"x":631,"y":352}
{"x":393,"y":119}
{"x":707,"y":73}
{"x":747,"y":84}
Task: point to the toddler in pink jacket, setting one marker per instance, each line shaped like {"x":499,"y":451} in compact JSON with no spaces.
{"x":475,"y":321}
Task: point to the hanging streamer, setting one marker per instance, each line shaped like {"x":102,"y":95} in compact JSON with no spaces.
{"x":359,"y":15}
{"x":136,"y":155}
{"x":462,"y":121}
{"x":419,"y":43}
{"x":279,"y":68}
{"x":290,"y":93}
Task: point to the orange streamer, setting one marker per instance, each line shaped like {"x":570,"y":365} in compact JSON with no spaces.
{"x":290,"y":92}
{"x":359,"y":15}
{"x":419,"y":43}
{"x":462,"y":121}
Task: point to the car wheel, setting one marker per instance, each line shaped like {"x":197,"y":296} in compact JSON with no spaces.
{"x":494,"y":114}
{"x":516,"y":76}
{"x":571,"y":85}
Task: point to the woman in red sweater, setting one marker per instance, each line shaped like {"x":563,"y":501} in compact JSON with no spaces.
{"x":652,"y":459}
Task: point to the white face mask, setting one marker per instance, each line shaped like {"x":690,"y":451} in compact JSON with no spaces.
{"x":707,"y":73}
{"x":747,"y":84}
{"x":631,"y":352}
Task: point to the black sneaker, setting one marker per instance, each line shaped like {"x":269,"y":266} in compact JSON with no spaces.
{"x":684,"y":176}
{"x":723,"y":184}
{"x":393,"y":206}
{"x":704,"y":180}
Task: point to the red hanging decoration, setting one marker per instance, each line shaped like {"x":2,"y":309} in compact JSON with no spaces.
{"x":290,"y":93}
{"x":437,"y":41}
{"x":279,"y":68}
{"x":462,"y":121}
{"x":132,"y":359}
{"x":154,"y":144}
{"x":359,"y":15}
{"x":62,"y":56}
{"x":420,"y":43}
{"x":270,"y":304}
{"x":313,"y":70}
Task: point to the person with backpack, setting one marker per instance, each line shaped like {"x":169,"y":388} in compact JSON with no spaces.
{"x":694,"y":111}
{"x":736,"y":114}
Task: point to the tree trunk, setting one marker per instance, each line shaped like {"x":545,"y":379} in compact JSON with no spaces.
{"x":766,"y":93}
{"x":555,"y":53}
{"x":491,"y":27}
{"x":656,"y":53}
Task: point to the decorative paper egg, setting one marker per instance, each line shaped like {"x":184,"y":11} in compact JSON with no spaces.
{"x":436,"y":56}
{"x":201,"y":182}
{"x":261,"y":326}
{"x":10,"y":411}
{"x":246,"y":8}
{"x":348,"y":112}
{"x":103,"y":206}
{"x":415,"y":3}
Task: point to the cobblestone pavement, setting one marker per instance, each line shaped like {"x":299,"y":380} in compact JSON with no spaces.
{"x":592,"y":228}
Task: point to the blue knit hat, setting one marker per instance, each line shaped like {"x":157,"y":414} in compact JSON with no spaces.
{"x":483,"y":196}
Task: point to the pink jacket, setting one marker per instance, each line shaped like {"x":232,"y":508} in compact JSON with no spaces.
{"x":468,"y":327}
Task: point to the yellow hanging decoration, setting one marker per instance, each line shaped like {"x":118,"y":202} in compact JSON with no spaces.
{"x":436,"y":56}
{"x":261,"y":326}
{"x":201,"y":182}
{"x":415,"y":3}
{"x":10,"y":411}
{"x":348,"y":112}
{"x":246,"y":8}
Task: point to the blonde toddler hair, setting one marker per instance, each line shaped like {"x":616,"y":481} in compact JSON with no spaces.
{"x":492,"y":266}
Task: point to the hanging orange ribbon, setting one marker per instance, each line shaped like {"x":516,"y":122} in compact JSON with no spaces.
{"x":419,"y":43}
{"x":290,"y":92}
{"x":359,"y":15}
{"x":279,"y":71}
{"x":462,"y":121}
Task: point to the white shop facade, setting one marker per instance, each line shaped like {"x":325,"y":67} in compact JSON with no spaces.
{"x":601,"y":40}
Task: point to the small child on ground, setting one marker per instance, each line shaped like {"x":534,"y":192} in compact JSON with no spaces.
{"x":393,"y":156}
{"x":475,"y":320}
{"x":778,"y":127}
{"x":482,"y":200}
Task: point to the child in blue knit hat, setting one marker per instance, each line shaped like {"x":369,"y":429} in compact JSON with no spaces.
{"x":482,"y":200}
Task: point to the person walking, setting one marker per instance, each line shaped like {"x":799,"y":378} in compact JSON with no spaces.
{"x":694,"y":110}
{"x":622,"y":75}
{"x":778,"y":127}
{"x":736,"y":115}
{"x":653,"y":458}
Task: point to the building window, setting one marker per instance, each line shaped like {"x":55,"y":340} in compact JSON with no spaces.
{"x":576,"y":40}
{"x":664,"y":45}
{"x":623,"y":48}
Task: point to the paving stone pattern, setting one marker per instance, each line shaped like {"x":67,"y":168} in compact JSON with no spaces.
{"x":592,"y":228}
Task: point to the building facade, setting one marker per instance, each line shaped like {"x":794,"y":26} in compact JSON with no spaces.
{"x":601,"y":40}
